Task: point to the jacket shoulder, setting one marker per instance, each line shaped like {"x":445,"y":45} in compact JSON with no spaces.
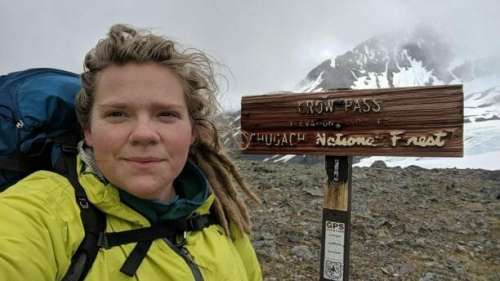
{"x":49,"y":188}
{"x":41,"y":227}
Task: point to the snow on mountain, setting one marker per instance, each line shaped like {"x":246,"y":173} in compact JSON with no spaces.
{"x":482,"y":105}
{"x":419,"y":57}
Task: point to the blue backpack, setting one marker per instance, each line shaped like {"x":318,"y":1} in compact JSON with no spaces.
{"x":39,"y":130}
{"x":37,"y":118}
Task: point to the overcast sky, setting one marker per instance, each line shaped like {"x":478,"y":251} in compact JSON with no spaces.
{"x":265,"y":45}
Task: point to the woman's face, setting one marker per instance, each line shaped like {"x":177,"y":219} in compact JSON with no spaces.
{"x":140,"y":129}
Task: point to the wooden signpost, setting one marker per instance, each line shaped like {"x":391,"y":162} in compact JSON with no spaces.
{"x":416,"y":121}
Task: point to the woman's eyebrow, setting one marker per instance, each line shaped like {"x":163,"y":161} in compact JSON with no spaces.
{"x":167,"y":106}
{"x":113,"y":105}
{"x":121,"y":105}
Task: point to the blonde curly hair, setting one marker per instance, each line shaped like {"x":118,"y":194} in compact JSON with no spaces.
{"x":125,"y":44}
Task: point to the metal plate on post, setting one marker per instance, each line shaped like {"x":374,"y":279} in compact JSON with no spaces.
{"x":336,"y":221}
{"x":335,"y":245}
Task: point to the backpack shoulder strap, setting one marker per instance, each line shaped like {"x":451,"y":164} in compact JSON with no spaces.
{"x":94,"y":222}
{"x":17,"y":164}
{"x":145,"y":236}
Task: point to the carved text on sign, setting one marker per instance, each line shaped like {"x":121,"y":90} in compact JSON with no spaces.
{"x":411,"y":121}
{"x":397,"y":138}
{"x":422,"y":141}
{"x":316,"y":123}
{"x":276,"y":139}
{"x":330,"y":105}
{"x":340,"y":140}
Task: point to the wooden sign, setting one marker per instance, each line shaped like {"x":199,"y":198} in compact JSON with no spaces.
{"x":418,"y":121}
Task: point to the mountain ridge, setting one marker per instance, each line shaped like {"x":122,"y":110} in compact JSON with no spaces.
{"x":419,"y":57}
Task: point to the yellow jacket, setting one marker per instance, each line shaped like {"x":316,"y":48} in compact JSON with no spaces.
{"x":41,"y":228}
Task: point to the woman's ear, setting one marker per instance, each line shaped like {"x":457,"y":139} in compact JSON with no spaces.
{"x":87,"y":136}
{"x":194,"y":132}
{"x":194,"y":136}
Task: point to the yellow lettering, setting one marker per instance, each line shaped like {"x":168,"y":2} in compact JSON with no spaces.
{"x":301,"y":137}
{"x":292,"y":135}
{"x":357,"y":106}
{"x":318,"y":107}
{"x":321,"y":139}
{"x":439,"y":141}
{"x":347,"y":104}
{"x":330,"y":105}
{"x":302,"y":108}
{"x":284,"y":140}
{"x":377,"y":107}
{"x":367,"y":105}
{"x":395,"y":137}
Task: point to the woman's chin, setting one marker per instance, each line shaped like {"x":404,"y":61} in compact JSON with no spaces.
{"x":149,"y":190}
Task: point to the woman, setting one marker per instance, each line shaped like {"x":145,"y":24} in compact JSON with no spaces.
{"x":150,"y":154}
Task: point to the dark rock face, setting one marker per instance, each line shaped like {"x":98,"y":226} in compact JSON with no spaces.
{"x":407,"y":224}
{"x":386,"y":54}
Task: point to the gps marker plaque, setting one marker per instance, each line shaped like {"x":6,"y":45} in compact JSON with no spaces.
{"x":411,"y":121}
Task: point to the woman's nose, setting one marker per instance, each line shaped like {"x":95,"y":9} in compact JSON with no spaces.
{"x":144,"y":132}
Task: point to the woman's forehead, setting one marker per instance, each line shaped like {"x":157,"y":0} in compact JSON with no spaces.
{"x":138,"y":81}
{"x":145,"y":72}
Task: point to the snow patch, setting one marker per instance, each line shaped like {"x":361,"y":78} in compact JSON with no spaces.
{"x":312,"y":86}
{"x":285,"y":158}
{"x":481,"y":151}
{"x":415,"y":75}
{"x":332,"y":63}
{"x":372,"y":80}
{"x":486,"y":161}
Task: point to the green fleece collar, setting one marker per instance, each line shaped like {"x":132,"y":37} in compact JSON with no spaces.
{"x":191,"y":188}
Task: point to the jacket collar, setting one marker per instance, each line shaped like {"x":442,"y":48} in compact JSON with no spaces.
{"x":106,"y":197}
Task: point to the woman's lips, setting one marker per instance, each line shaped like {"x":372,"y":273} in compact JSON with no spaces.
{"x":143,"y":162}
{"x":143,"y":159}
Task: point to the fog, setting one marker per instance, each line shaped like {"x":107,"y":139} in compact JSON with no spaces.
{"x":261,"y":46}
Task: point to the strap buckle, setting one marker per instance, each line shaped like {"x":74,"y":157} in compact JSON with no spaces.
{"x":102,"y":241}
{"x":195,"y":223}
{"x":69,"y":148}
{"x":179,"y":240}
{"x":83,"y":202}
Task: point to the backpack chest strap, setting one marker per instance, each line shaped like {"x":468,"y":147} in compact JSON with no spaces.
{"x":165,"y":229}
{"x":145,"y":236}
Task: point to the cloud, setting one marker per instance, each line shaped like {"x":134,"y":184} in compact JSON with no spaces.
{"x":267,"y":45}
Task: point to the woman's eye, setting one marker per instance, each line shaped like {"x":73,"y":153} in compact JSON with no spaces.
{"x":115,"y":114}
{"x":169,"y":114}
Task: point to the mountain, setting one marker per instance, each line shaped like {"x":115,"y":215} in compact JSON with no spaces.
{"x":418,"y":57}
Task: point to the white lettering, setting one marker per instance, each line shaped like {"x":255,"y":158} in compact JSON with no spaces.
{"x":395,"y":137}
{"x":340,"y":140}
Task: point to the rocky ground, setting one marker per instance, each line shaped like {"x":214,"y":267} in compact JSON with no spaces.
{"x":407,"y":224}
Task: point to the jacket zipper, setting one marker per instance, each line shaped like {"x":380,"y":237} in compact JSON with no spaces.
{"x":184,"y":253}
